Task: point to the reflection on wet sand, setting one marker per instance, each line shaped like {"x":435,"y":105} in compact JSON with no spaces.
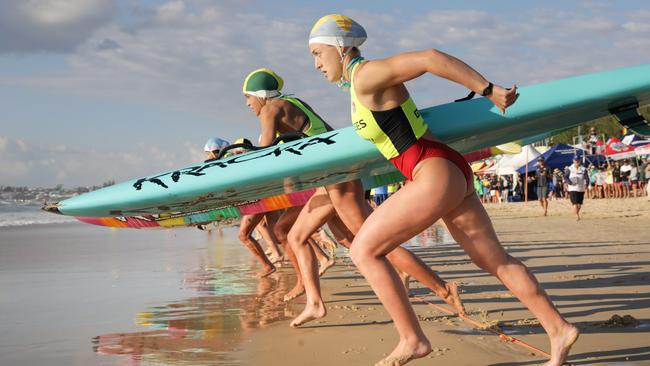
{"x":202,"y":330}
{"x":230,"y":302}
{"x":436,"y":234}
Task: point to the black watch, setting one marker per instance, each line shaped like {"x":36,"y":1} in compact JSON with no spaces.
{"x":488,"y":90}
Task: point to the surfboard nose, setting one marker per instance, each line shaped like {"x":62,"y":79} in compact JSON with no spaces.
{"x":53,"y":208}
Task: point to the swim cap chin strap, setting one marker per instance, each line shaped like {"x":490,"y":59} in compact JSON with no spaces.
{"x":342,"y":83}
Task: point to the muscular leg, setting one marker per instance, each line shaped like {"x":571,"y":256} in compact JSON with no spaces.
{"x":340,"y":231}
{"x":248,"y":223}
{"x":471,"y":227}
{"x":281,"y":230}
{"x":393,"y":223}
{"x":313,"y":215}
{"x":328,"y":243}
{"x":353,"y":210}
{"x":265,"y":227}
{"x":324,"y":261}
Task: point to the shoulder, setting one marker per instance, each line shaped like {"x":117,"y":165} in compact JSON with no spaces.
{"x":359,"y":73}
{"x":273,"y":109}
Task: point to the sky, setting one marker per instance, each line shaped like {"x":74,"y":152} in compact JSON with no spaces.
{"x":97,"y":90}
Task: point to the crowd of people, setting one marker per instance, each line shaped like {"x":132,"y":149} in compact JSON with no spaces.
{"x":628,"y":178}
{"x":618,"y":179}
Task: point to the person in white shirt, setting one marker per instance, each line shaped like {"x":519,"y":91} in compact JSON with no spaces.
{"x":626,"y":169}
{"x":601,"y":177}
{"x":577,"y":178}
{"x":634,"y":178}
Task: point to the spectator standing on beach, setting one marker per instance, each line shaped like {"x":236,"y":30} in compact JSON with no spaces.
{"x":478,"y":186}
{"x":576,"y":177}
{"x":505,"y":188}
{"x":626,"y":170}
{"x":601,"y":175}
{"x":609,"y":181}
{"x":646,"y":172}
{"x":494,"y":189}
{"x":592,"y":172}
{"x":643,"y":176}
{"x":634,"y":178}
{"x":518,"y":188}
{"x":543,"y":175}
{"x":616,"y":176}
{"x":560,"y":182}
{"x":486,"y":189}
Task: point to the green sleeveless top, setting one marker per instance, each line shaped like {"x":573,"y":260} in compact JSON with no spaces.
{"x":392,"y":131}
{"x":314,"y":122}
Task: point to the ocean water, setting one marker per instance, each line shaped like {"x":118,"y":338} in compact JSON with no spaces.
{"x":13,"y":214}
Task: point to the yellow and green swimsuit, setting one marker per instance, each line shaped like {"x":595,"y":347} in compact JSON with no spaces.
{"x":313,"y":120}
{"x":392,"y":131}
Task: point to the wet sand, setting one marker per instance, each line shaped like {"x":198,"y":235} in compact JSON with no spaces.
{"x":76,"y":294}
{"x":594,"y":270}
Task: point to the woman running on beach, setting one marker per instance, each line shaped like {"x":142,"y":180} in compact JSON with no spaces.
{"x":281,"y":114}
{"x":384,"y":113}
{"x":261,"y":221}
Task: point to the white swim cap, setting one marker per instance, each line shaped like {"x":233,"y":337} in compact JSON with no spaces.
{"x":215,"y":144}
{"x":337,"y":30}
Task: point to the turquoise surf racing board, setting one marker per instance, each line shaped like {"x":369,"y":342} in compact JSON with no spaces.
{"x":340,"y":155}
{"x":225,"y":216}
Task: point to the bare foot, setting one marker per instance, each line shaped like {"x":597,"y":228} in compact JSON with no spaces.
{"x":311,"y":312}
{"x":296,"y":291}
{"x":266,"y":272}
{"x":329,"y":244}
{"x":452,"y":298}
{"x":561,"y":344}
{"x":324,"y":266}
{"x":406,"y":352}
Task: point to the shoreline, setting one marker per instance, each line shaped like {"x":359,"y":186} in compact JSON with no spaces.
{"x":195,"y":301}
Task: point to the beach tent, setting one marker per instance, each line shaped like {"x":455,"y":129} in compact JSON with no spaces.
{"x":509,"y":163}
{"x":641,"y":146}
{"x":642,"y":150}
{"x":558,"y":156}
{"x":634,"y":140}
{"x":485,"y":170}
{"x":478,"y":166}
{"x":615,"y":149}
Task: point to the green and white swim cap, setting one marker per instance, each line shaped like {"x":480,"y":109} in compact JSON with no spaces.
{"x":337,"y":30}
{"x":263,"y":83}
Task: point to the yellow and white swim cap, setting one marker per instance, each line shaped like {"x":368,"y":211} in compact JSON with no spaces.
{"x":263,"y":83}
{"x":337,"y":30}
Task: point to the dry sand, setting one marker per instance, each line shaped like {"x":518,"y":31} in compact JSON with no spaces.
{"x":594,"y":270}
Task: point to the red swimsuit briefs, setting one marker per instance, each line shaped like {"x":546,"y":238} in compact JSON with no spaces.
{"x":423,"y":149}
